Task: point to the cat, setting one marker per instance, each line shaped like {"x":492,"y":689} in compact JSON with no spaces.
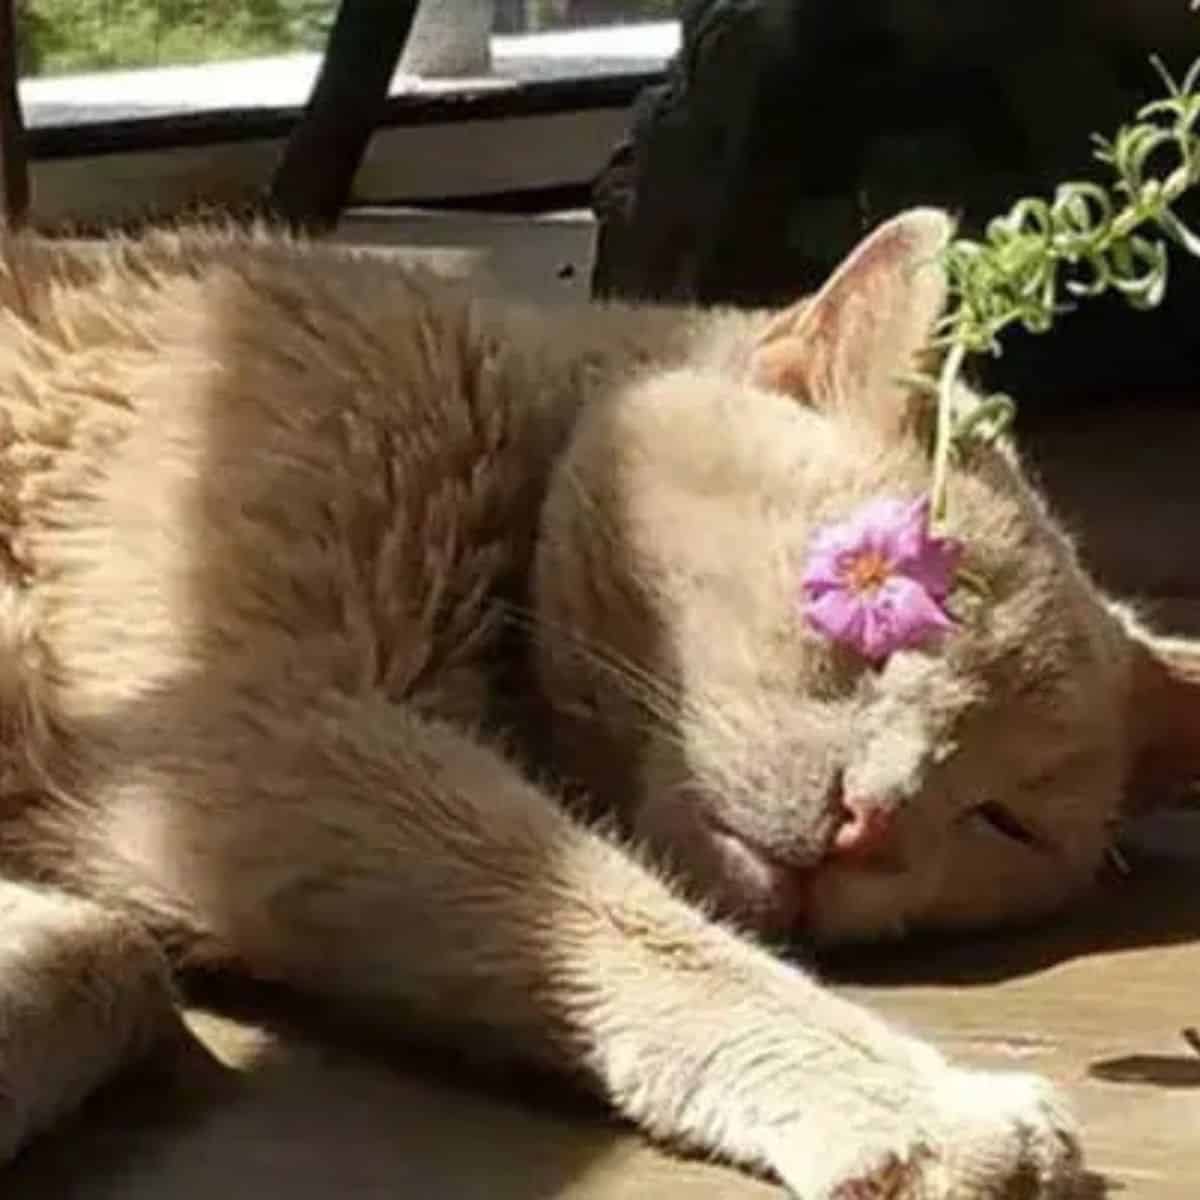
{"x":444,"y":657}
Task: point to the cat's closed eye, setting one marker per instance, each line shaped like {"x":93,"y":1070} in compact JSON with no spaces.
{"x":1002,"y":821}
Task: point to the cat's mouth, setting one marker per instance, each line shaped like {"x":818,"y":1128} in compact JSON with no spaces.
{"x":758,"y":882}
{"x":777,"y":893}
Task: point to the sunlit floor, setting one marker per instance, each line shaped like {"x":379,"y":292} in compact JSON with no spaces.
{"x":1098,"y":1003}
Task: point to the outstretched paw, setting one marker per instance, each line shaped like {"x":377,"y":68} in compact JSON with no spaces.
{"x":971,"y":1136}
{"x":893,"y":1179}
{"x":1007,"y":1134}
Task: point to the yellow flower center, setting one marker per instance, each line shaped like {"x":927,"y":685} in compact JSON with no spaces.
{"x":868,"y":571}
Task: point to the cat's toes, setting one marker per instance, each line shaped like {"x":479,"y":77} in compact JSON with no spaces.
{"x":888,"y":1165}
{"x":1005,"y":1135}
{"x":894,"y":1177}
{"x":974,"y":1136}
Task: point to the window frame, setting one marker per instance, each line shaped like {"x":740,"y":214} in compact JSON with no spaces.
{"x":542,"y":123}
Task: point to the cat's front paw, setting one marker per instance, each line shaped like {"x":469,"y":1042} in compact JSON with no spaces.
{"x":972,"y":1136}
{"x":1005,"y":1134}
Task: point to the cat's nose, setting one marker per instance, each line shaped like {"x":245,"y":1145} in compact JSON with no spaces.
{"x":865,"y":829}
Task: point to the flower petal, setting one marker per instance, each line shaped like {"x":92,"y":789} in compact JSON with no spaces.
{"x":878,"y":638}
{"x":912,"y":614}
{"x":867,"y":530}
{"x":880,"y":524}
{"x":930,"y":561}
{"x":911,"y":528}
{"x":839,"y":616}
{"x":897,"y":602}
{"x":823,"y":571}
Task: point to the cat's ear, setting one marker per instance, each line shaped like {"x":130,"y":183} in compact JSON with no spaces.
{"x":844,"y":348}
{"x":1164,"y":720}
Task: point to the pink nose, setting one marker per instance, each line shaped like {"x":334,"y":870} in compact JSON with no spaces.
{"x":864,"y":831}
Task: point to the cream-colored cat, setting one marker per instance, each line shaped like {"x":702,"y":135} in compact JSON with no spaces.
{"x":317,"y":578}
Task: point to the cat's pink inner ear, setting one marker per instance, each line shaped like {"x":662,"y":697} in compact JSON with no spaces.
{"x":843,"y":350}
{"x":1164,"y":719}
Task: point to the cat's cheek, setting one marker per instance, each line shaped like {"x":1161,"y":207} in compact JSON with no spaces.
{"x":989,"y":878}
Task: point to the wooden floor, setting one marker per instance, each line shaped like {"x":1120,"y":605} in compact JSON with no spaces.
{"x":1097,"y":1001}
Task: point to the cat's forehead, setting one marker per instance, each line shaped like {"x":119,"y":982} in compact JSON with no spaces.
{"x":1039,"y":644}
{"x":726,"y":490}
{"x":1028,"y":626}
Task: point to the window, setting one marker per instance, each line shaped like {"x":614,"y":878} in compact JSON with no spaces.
{"x":527,"y":16}
{"x":108,"y":141}
{"x":74,"y":36}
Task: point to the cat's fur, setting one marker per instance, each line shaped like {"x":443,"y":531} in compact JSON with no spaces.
{"x":317,"y":578}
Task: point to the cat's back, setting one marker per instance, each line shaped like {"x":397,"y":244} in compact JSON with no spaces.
{"x":225,"y":453}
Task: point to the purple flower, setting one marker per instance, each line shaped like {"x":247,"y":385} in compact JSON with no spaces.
{"x":878,"y":581}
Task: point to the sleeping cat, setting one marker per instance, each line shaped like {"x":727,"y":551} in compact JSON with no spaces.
{"x":446,"y":659}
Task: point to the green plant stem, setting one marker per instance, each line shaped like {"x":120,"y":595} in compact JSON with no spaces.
{"x":944,"y":438}
{"x":1094,"y":237}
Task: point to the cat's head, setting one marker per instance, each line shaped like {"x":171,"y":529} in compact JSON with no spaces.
{"x":797,"y":783}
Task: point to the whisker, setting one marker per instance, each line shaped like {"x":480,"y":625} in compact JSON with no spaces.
{"x":677,"y":703}
{"x":654,"y":695}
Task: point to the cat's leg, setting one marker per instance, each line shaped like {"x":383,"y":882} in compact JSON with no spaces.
{"x":82,"y":992}
{"x":389,"y":862}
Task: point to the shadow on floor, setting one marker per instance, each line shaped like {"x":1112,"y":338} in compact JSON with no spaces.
{"x":286,"y":1116}
{"x":1158,"y":1070}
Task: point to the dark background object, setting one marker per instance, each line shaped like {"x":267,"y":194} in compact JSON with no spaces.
{"x":787,"y":128}
{"x":14,"y":168}
{"x":313,"y":182}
